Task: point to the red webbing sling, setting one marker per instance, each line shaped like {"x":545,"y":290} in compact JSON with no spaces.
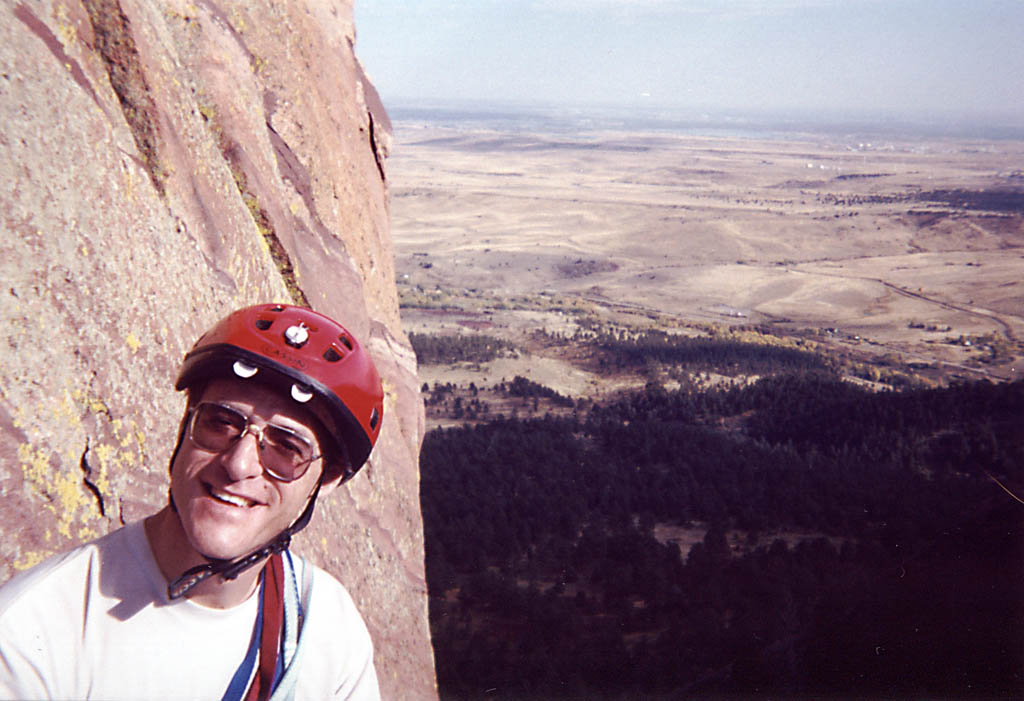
{"x":270,"y":635}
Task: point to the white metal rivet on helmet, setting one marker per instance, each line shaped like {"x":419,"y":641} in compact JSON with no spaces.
{"x":296,"y":335}
{"x":243,"y":370}
{"x":301,"y":395}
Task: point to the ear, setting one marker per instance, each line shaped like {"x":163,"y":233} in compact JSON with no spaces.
{"x":331,"y":480}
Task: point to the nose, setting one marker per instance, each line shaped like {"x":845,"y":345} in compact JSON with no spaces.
{"x":242,"y":460}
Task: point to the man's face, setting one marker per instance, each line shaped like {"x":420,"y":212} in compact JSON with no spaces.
{"x":228,"y":504}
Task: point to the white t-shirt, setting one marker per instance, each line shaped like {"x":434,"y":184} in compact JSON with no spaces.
{"x":96,"y":623}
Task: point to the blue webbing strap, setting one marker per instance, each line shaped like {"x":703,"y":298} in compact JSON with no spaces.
{"x":240,"y":682}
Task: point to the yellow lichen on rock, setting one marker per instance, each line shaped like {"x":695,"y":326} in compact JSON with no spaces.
{"x":264,"y":246}
{"x":62,"y":493}
{"x":390,"y":393}
{"x":71,"y":500}
{"x":30,"y":559}
{"x":72,"y":447}
{"x":66,"y":412}
{"x":35,"y":465}
{"x":105,"y":455}
{"x":238,"y":21}
{"x":126,"y":439}
{"x":65,"y":29}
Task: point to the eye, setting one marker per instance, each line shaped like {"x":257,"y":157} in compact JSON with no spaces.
{"x":216,"y":427}
{"x":220,"y":419}
{"x":288,"y":443}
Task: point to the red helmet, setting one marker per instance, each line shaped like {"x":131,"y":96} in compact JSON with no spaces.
{"x":304,"y":355}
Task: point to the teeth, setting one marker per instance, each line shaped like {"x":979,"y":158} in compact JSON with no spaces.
{"x":230,"y":498}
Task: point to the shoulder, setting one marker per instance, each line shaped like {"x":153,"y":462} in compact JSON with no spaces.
{"x":60,"y":581}
{"x":62,"y":569}
{"x":42,"y":616}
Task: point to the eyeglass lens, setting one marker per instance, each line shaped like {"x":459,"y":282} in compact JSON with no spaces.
{"x":283,"y":453}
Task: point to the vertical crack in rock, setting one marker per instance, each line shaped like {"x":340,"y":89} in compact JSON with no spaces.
{"x":90,"y":485}
{"x":376,"y":152}
{"x":380,"y":124}
{"x":113,"y":40}
{"x":278,"y":253}
{"x":289,"y":165}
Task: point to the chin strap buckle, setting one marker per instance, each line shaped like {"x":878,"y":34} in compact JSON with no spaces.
{"x":183,"y":584}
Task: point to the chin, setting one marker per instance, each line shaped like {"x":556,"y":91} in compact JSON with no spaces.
{"x":215,"y":541}
{"x":218,"y":550}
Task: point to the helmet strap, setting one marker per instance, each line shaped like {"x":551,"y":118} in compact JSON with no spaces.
{"x":230,"y":569}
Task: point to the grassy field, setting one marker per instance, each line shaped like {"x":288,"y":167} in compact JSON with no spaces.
{"x":893,"y":254}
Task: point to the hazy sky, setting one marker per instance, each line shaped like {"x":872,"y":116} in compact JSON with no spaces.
{"x":909,"y":58}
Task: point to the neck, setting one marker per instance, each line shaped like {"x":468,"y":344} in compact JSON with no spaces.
{"x":174,"y":554}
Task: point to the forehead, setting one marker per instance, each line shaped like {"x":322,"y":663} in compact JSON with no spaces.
{"x":260,"y":401}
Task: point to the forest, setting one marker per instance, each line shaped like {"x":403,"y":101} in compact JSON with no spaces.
{"x":729,"y":354}
{"x":437,"y":349}
{"x":848,"y":543}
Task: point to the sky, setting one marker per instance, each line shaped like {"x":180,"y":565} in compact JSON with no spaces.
{"x":911,"y":59}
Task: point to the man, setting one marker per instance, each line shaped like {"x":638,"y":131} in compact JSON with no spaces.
{"x":203,"y":599}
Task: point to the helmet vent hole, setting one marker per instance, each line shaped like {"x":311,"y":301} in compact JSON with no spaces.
{"x":331,"y":355}
{"x":263,"y":324}
{"x":277,"y":308}
{"x":345,"y":341}
{"x":374,"y":419}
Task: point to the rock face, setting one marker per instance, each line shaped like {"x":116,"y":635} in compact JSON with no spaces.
{"x":163,"y":162}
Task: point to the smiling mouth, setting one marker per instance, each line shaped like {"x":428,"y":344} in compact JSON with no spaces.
{"x":232,"y":499}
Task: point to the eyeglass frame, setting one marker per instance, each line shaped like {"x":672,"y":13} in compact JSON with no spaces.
{"x":257,"y":432}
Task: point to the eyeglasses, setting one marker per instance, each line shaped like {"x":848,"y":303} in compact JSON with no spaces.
{"x":283,"y":453}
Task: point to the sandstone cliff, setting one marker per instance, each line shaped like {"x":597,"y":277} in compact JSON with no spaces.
{"x":161,"y":163}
